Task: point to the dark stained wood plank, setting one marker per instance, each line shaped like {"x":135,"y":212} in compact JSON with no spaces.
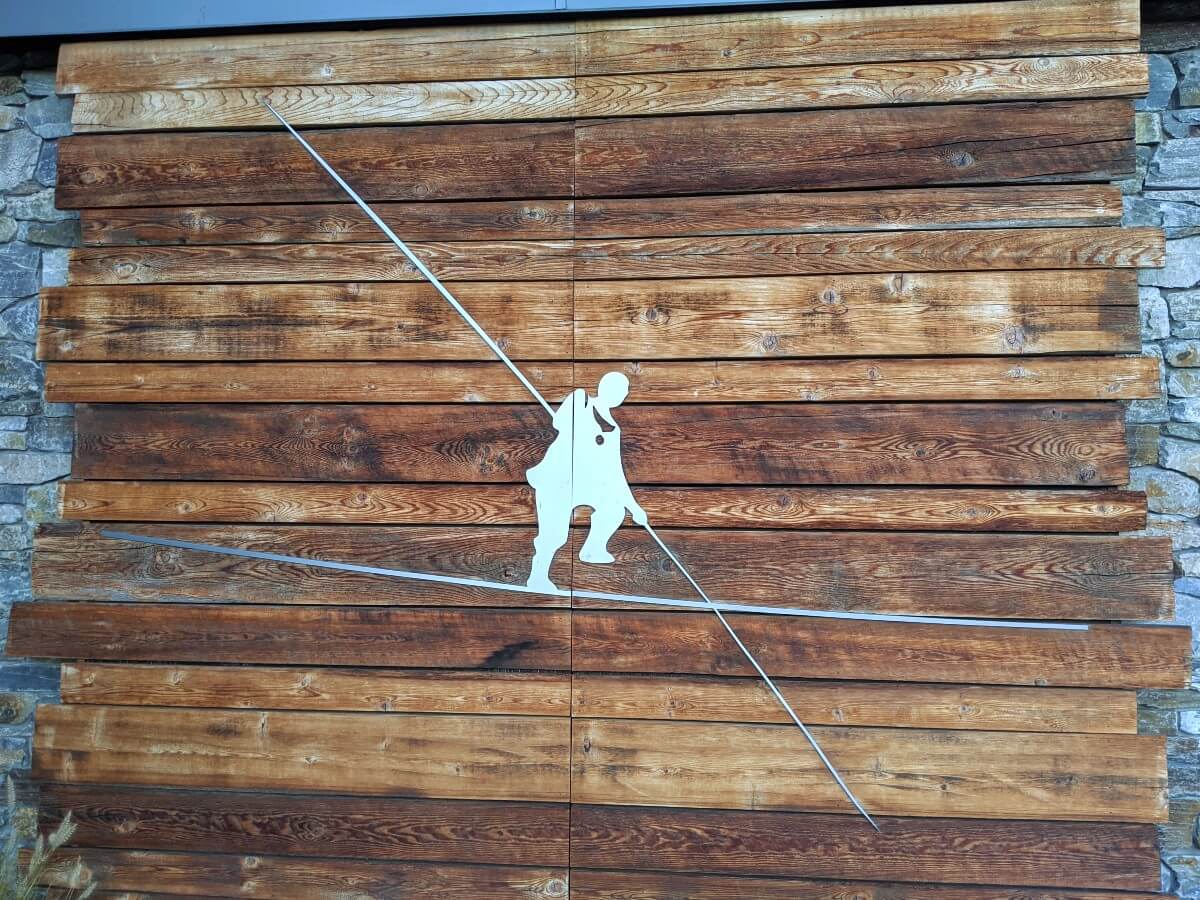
{"x":350,"y":690}
{"x":944,"y":509}
{"x":1087,"y":140}
{"x":444,"y":638}
{"x":78,"y":563}
{"x":805,"y":37}
{"x":971,"y":774}
{"x":808,"y":254}
{"x":985,"y":575}
{"x":413,"y":163}
{"x":946,"y":313}
{"x":315,"y":321}
{"x":491,"y":50}
{"x":967,"y":444}
{"x":485,"y":220}
{"x":703,"y":698}
{"x":1110,"y":656}
{"x":455,"y":757}
{"x":308,"y":263}
{"x":1070,"y":855}
{"x":592,"y":885}
{"x":306,"y":825}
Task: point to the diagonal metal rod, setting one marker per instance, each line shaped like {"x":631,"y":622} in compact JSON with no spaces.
{"x":503,"y":357}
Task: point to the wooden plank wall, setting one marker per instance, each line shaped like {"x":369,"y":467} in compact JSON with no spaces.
{"x":864,"y":271}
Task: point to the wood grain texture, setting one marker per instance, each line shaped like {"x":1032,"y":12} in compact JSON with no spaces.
{"x":313,"y":826}
{"x":252,"y":263}
{"x":1086,"y":140}
{"x":701,"y":698}
{"x":946,"y":313}
{"x":805,"y":37}
{"x":354,"y":690}
{"x":892,"y":509}
{"x":164,"y":875}
{"x":966,"y":444}
{"x":314,"y":322}
{"x":413,"y":163}
{"x":444,"y":638}
{"x":1108,"y":856}
{"x":1109,"y":656}
{"x":974,"y":774}
{"x":78,"y":563}
{"x":1046,"y":206}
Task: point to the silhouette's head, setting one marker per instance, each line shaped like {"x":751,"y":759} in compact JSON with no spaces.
{"x":612,"y":390}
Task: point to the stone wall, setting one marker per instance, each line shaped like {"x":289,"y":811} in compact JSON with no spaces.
{"x":1165,"y":433}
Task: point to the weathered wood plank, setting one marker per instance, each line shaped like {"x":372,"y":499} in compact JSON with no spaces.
{"x":297,"y":322}
{"x":814,"y":254}
{"x":443,"y":638}
{"x":253,"y":263}
{"x":307,"y":825}
{"x":1093,"y":855}
{"x":167,"y":875}
{"x":1046,"y":206}
{"x":998,"y":313}
{"x":702,"y":698}
{"x":944,"y":509}
{"x":805,"y":37}
{"x":965,"y":444}
{"x":456,"y":757}
{"x":594,"y":885}
{"x":739,"y":90}
{"x":1110,"y":656}
{"x":358,"y":690}
{"x":1086,"y":140}
{"x":907,"y":772}
{"x":418,"y":163}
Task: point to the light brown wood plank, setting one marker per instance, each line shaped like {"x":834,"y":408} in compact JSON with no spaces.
{"x":759,"y":39}
{"x":349,"y":690}
{"x":973,"y":774}
{"x":943,"y":509}
{"x":1108,"y":656}
{"x":998,"y":313}
{"x":701,"y":698}
{"x":299,"y":322}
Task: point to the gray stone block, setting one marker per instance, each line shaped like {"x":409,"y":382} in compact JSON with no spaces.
{"x":1186,"y":410}
{"x":10,"y":117}
{"x":1162,"y":84}
{"x":19,"y":378}
{"x":1140,"y":212}
{"x":19,"y":319}
{"x":38,"y":82}
{"x":1180,"y":123}
{"x":54,"y":234}
{"x":1149,"y":411}
{"x":1186,"y":868}
{"x":1180,"y":455}
{"x":13,"y":423}
{"x":1182,"y":269}
{"x":12,"y":493}
{"x":8,"y":229}
{"x":12,"y":92}
{"x":37,"y":207}
{"x":18,"y":270}
{"x":1184,"y":305}
{"x":47,"y":164}
{"x":51,"y":434}
{"x":42,"y":503}
{"x":28,"y":467}
{"x":50,"y":117}
{"x":16,"y":537}
{"x":13,"y":440}
{"x":1167,"y":491}
{"x":10,"y":513}
{"x":1182,"y":354}
{"x":1155,"y":319}
{"x":18,"y":157}
{"x":1176,"y":164}
{"x":1183,"y":382}
{"x":54,"y":268}
{"x":1147,"y":128}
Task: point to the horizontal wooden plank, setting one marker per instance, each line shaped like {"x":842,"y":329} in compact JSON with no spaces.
{"x":1084,"y":140}
{"x":947,"y":313}
{"x":491,"y":50}
{"x":702,"y":698}
{"x":456,"y":757}
{"x":252,"y":263}
{"x":595,"y":96}
{"x":540,"y":219}
{"x":973,"y":774}
{"x":594,"y":885}
{"x":965,"y":851}
{"x":355,"y":690}
{"x":421,"y":163}
{"x":307,"y":825}
{"x":989,"y":575}
{"x":812,"y":254}
{"x":78,"y":563}
{"x":967,"y":444}
{"x":801,"y":36}
{"x":165,"y":875}
{"x":176,"y":632}
{"x":943,"y":509}
{"x":1109,"y":656}
{"x":317,"y":321}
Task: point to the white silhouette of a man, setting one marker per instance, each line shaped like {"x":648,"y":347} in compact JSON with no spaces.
{"x":582,"y":468}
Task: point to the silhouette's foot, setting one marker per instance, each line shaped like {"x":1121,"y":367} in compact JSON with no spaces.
{"x":601,"y":556}
{"x":541,"y":583}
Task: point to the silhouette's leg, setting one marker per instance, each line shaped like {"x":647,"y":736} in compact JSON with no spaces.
{"x":554,"y":521}
{"x":605,"y":521}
